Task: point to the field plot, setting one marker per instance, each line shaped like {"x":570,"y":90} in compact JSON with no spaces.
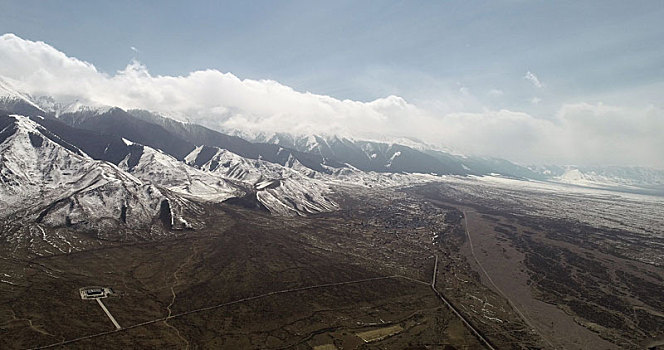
{"x":379,"y":334}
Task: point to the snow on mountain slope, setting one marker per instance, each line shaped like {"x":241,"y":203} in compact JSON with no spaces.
{"x":293,"y":196}
{"x":233,"y":166}
{"x":393,"y":155}
{"x":282,"y":190}
{"x":366,"y":155}
{"x":43,"y":181}
{"x":270,"y":152}
{"x":351,"y":176}
{"x":161,"y":169}
{"x":310,"y":142}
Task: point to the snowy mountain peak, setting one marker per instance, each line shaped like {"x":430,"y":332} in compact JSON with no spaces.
{"x":24,"y":123}
{"x":11,"y":96}
{"x":48,"y":104}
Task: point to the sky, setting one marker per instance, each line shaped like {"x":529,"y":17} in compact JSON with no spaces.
{"x":566,"y":82}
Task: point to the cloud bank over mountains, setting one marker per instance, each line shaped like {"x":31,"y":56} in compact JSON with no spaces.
{"x":579,"y":133}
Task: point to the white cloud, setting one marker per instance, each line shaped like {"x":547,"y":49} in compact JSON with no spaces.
{"x":513,"y":135}
{"x":578,"y":133}
{"x":531,"y":77}
{"x":495,"y":92}
{"x":581,"y":133}
{"x":535,"y":100}
{"x":603,"y":134}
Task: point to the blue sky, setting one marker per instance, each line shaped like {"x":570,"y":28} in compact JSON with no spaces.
{"x":534,"y":57}
{"x":369,"y":49}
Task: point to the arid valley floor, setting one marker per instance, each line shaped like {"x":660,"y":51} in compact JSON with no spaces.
{"x":361,"y":277}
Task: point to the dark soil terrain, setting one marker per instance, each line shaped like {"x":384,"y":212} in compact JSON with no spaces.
{"x":250,"y":280}
{"x":573,"y":266}
{"x":356,"y":278}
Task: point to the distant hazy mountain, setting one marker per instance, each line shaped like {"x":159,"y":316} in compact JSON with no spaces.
{"x":367,"y":155}
{"x":603,"y":176}
{"x":396,"y":158}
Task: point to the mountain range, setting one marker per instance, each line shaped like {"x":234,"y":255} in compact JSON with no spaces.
{"x":93,"y":167}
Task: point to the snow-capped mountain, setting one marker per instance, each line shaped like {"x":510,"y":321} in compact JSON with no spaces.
{"x":374,"y":156}
{"x":393,"y":157}
{"x":281,"y":189}
{"x":166,"y":147}
{"x":46,"y":180}
{"x":56,"y":108}
{"x":270,"y":152}
{"x":322,"y":154}
{"x":366,"y":155}
{"x":97,"y":155}
{"x":160,"y":169}
{"x":156,"y":156}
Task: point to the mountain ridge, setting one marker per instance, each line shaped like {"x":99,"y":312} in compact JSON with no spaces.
{"x":103,"y":133}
